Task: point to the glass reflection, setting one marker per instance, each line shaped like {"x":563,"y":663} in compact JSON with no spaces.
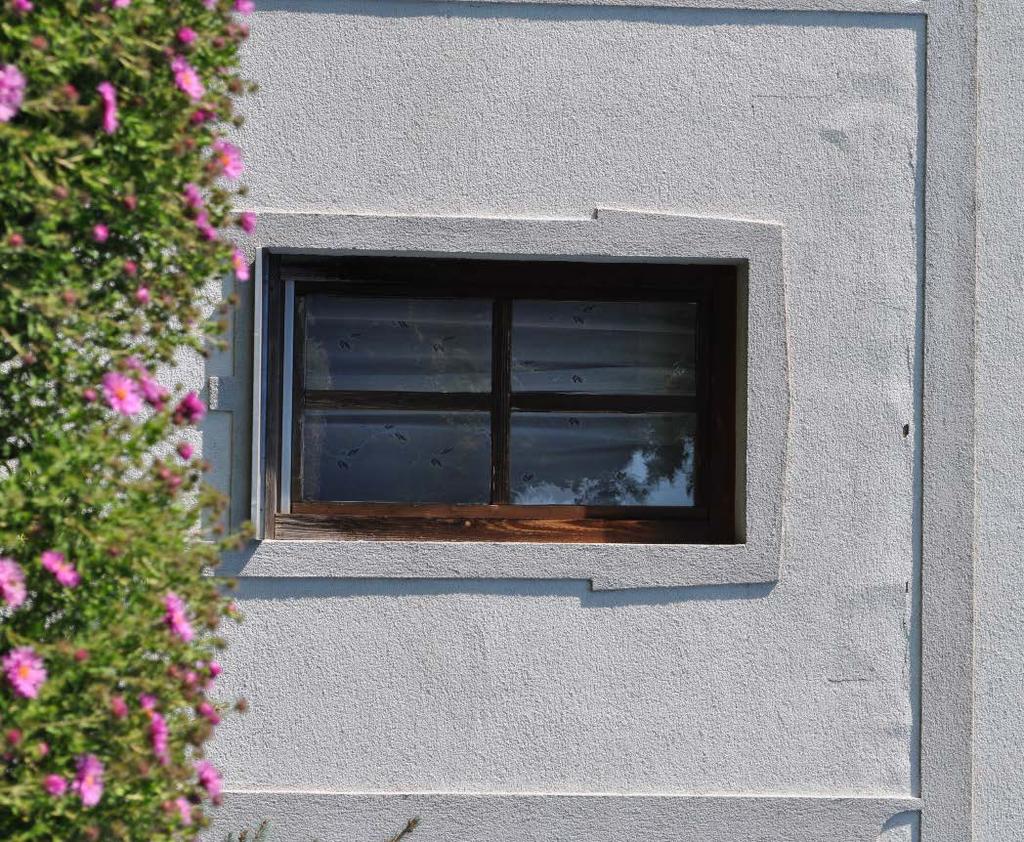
{"x":610,"y":347}
{"x":398,"y":344}
{"x":396,"y":456}
{"x":602,"y":459}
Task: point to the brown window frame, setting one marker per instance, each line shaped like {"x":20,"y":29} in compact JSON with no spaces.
{"x":713,"y":286}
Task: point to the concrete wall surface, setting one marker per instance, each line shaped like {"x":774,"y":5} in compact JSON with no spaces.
{"x":534,"y":709}
{"x":999,"y":683}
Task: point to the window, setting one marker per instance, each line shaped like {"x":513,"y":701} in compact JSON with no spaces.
{"x":509,"y":400}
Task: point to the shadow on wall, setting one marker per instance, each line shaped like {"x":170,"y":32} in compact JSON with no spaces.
{"x":903,"y":827}
{"x":277,"y":588}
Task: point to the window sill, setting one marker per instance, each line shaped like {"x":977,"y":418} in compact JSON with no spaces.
{"x":606,"y":566}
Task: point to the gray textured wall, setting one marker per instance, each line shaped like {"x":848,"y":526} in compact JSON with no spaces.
{"x":999,"y":685}
{"x":805,"y":691}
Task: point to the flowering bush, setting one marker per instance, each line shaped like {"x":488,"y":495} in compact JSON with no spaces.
{"x":115,"y":185}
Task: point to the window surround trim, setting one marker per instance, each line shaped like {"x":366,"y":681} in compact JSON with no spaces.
{"x":763,"y":395}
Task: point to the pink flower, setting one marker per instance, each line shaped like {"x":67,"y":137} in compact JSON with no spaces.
{"x":100,"y":232}
{"x":88,"y":783}
{"x":12,"y":582}
{"x":24,"y":670}
{"x":174,"y":481}
{"x":89,"y":395}
{"x":142,"y":295}
{"x":12,"y":91}
{"x":207,"y":710}
{"x":208,"y":777}
{"x":119,"y":707}
{"x":187,"y":79}
{"x":241,"y":265}
{"x":63,"y":571}
{"x":210,"y":4}
{"x":184,"y":810}
{"x":190,"y":410}
{"x":108,"y":93}
{"x":245,"y":7}
{"x":229,"y":157}
{"x":185,"y":450}
{"x":215,"y":669}
{"x":176,"y":617}
{"x":207,"y":231}
{"x":147,"y":701}
{"x":55,"y":785}
{"x":153,"y":392}
{"x":120,"y":4}
{"x":193,"y":196}
{"x":131,"y":268}
{"x":247,"y":222}
{"x":22,"y":6}
{"x":122,"y":393}
{"x":158,"y":736}
{"x":187,"y":35}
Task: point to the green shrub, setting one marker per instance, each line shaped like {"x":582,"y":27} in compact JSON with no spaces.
{"x":115,"y":186}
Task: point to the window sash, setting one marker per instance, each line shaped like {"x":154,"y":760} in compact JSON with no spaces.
{"x":501,"y":401}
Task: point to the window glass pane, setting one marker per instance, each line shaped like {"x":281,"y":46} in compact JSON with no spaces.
{"x":602,"y":458}
{"x":610,"y":347}
{"x":398,"y":344}
{"x":396,"y":456}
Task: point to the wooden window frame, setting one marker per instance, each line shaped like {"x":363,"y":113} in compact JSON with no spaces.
{"x":712,"y":286}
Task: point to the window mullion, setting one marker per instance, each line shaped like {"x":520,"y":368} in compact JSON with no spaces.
{"x":604,"y":403}
{"x":325,"y":399}
{"x":501,"y":394}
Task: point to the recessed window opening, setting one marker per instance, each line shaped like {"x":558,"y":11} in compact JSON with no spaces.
{"x":502,"y":400}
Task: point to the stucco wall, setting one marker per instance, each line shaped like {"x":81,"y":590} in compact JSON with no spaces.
{"x":812,"y":120}
{"x":999,"y":685}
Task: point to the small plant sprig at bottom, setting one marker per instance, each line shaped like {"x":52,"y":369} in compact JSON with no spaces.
{"x":117,"y":184}
{"x":262,"y":833}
